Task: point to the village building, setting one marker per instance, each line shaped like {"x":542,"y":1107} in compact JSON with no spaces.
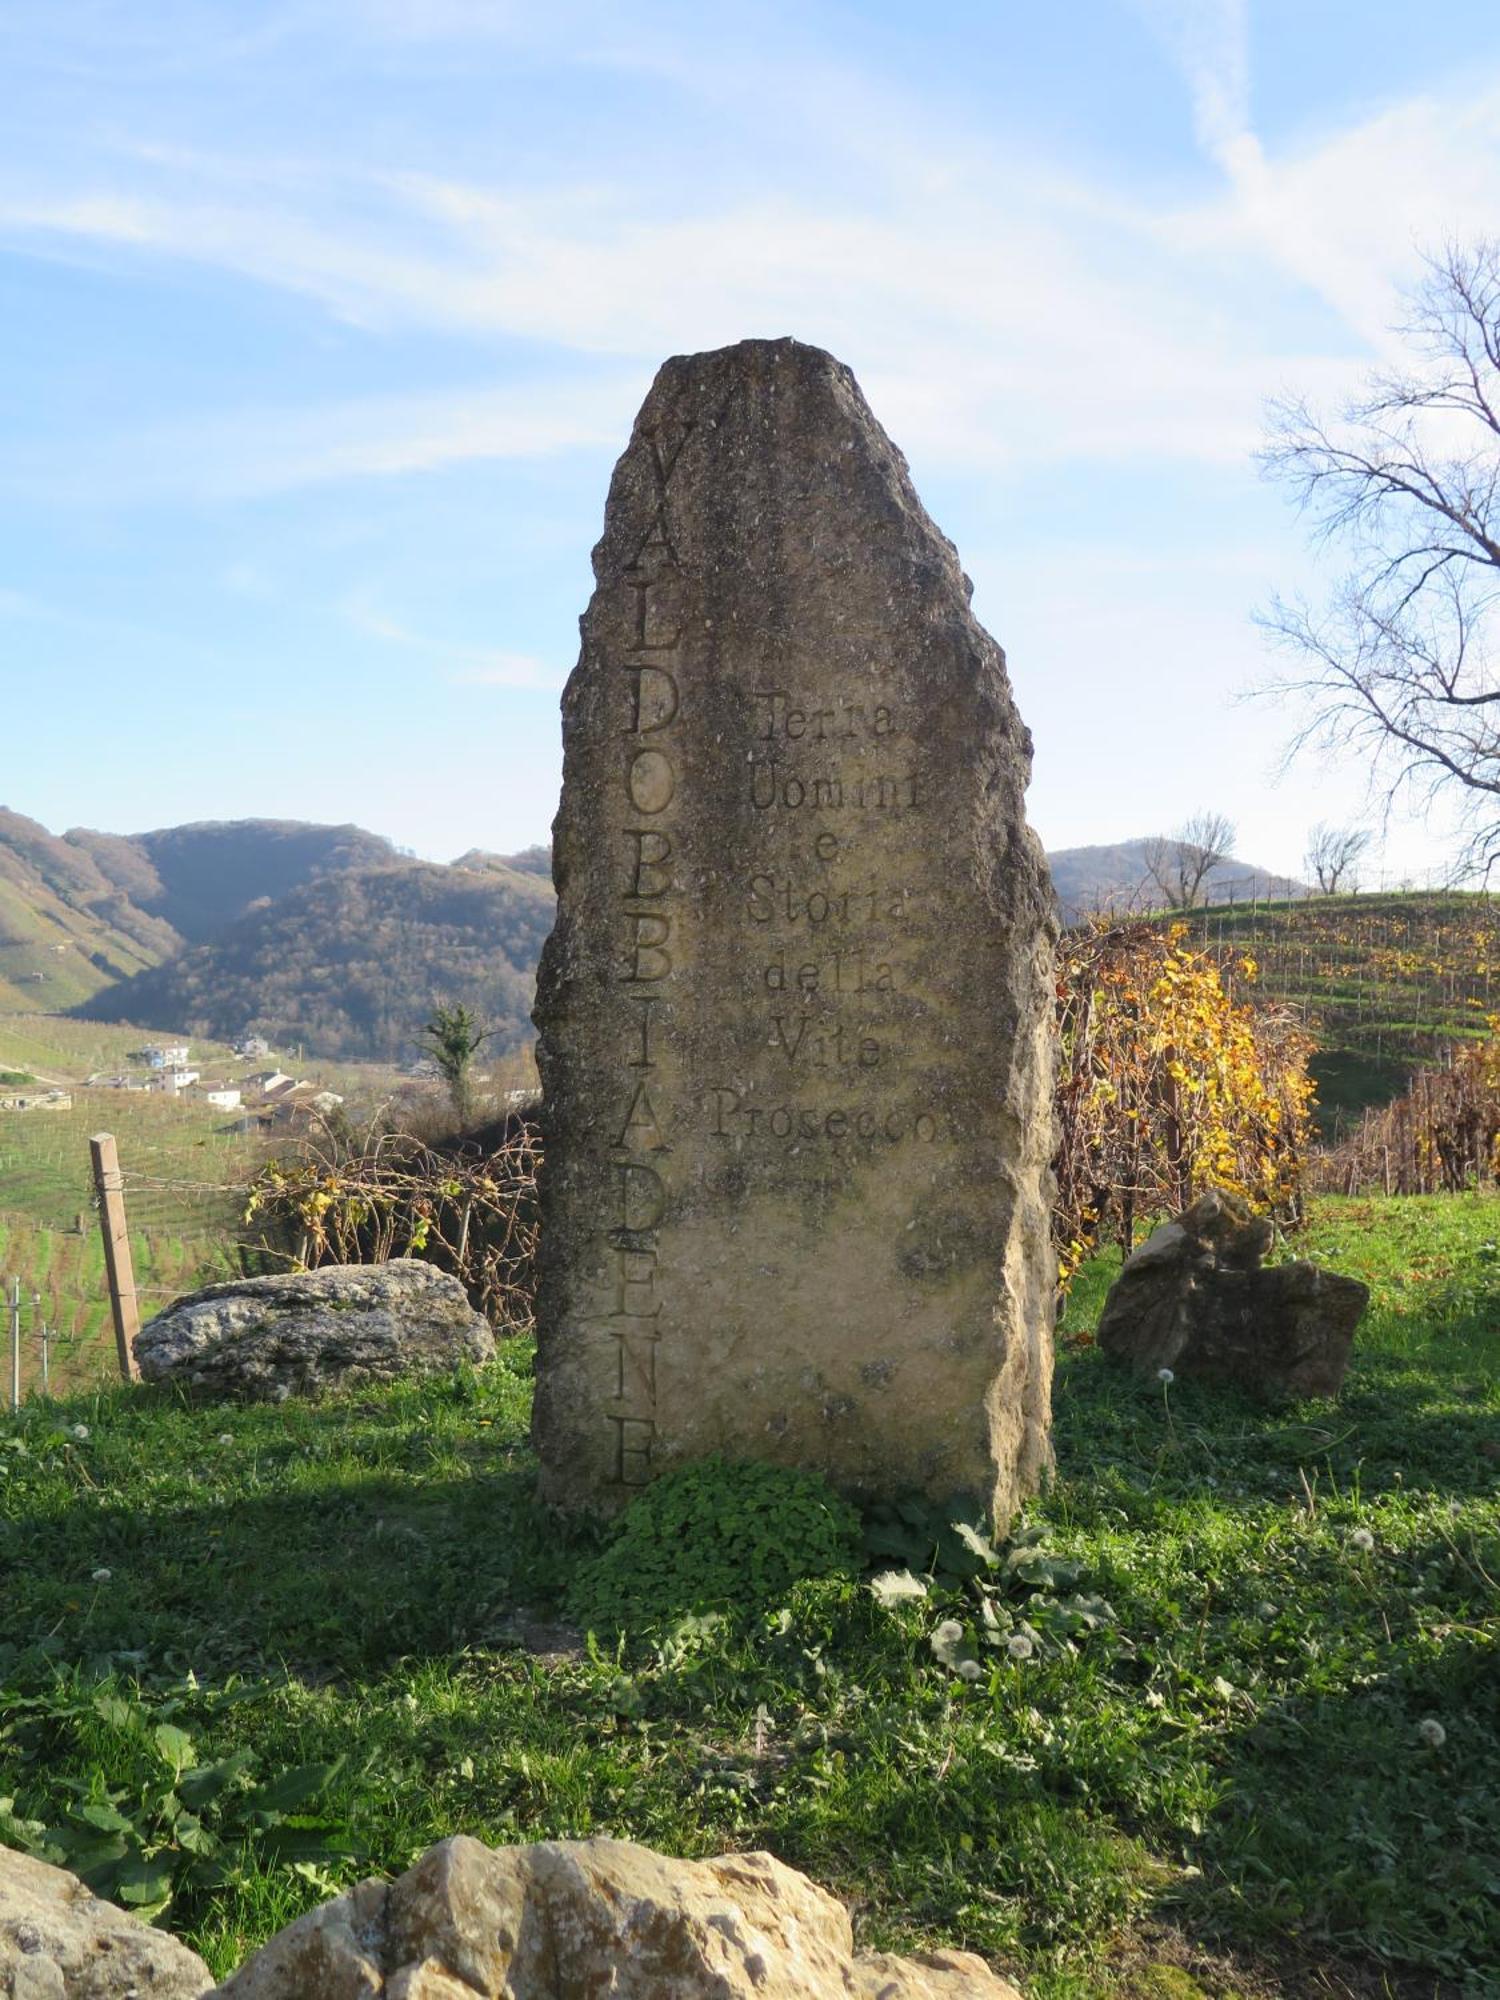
{"x":166,"y":1055}
{"x":174,"y":1081}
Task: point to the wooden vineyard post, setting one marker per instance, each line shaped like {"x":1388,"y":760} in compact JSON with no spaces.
{"x":15,"y":1345}
{"x":118,"y":1266}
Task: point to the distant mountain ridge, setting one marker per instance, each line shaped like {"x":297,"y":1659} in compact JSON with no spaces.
{"x":327,"y":935}
{"x":200,"y":878}
{"x":1116,"y":879}
{"x":352,"y":963}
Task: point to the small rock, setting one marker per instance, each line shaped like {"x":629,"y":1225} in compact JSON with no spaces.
{"x":565,"y":1919}
{"x":1195,"y":1300}
{"x":58,"y":1941}
{"x":263,"y":1339}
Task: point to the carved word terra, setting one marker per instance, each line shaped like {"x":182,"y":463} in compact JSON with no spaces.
{"x":781,"y":718}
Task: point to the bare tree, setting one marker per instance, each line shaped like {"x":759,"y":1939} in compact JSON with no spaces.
{"x":1400,"y":667}
{"x":1333,"y":854}
{"x":1179,"y":863}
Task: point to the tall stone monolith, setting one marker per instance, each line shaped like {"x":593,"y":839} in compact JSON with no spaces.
{"x":796,"y":1014}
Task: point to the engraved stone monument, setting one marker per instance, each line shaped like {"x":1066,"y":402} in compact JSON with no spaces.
{"x":796,"y":1013}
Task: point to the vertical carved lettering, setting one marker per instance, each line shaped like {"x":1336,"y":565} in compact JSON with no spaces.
{"x":634,"y":1437}
{"x":650,"y":777}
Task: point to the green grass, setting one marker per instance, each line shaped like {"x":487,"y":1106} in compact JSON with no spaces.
{"x":1229,"y":1788}
{"x":63,"y":1269}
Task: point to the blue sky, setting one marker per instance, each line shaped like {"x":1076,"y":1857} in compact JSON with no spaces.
{"x":322,"y":323}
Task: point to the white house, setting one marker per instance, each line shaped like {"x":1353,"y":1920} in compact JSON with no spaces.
{"x":252,"y":1045}
{"x":166,"y":1055}
{"x":222,"y":1098}
{"x":270,"y":1082}
{"x":172,"y":1081}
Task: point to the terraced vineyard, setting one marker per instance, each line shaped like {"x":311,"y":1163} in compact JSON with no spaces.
{"x":62,"y":1285}
{"x":1387,"y":983}
{"x":182,"y":1164}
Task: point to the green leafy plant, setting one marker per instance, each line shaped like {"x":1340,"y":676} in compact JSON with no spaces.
{"x":1019,"y":1602}
{"x":714,"y":1536}
{"x":151,"y":1824}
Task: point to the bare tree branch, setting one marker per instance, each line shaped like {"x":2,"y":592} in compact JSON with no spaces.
{"x":1401,"y":669}
{"x":1179,"y":863}
{"x":1333,"y":854}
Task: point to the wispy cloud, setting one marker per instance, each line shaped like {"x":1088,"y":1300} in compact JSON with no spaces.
{"x":999,"y":311}
{"x":1209,"y":42}
{"x":255,"y":454}
{"x":461,"y":665}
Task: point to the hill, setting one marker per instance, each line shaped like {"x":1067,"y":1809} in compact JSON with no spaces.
{"x":352,"y":963}
{"x":67,"y":929}
{"x":199,"y":879}
{"x":530,"y":861}
{"x":1091,"y":879}
{"x":326,"y":936}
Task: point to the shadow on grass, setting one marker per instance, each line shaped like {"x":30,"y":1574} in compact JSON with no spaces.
{"x":1367,"y":1817}
{"x":331,"y":1582}
{"x":1395,"y":1429}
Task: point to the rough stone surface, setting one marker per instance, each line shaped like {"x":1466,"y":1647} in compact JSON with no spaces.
{"x":265,"y":1338}
{"x":60,"y":1942}
{"x":569,"y":1919}
{"x":1195,"y":1299}
{"x":796,"y":1012}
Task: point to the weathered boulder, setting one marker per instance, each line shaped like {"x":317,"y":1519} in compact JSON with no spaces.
{"x":261,"y":1339}
{"x":1194,"y":1299}
{"x":565,"y":1920}
{"x":60,"y":1942}
{"x":796,"y":1016}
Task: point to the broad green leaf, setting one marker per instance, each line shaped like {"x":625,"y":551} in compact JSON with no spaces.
{"x":294,"y":1788}
{"x":175,"y":1745}
{"x":144,"y":1881}
{"x":117,"y":1713}
{"x":96,"y":1861}
{"x":193,"y":1836}
{"x":108,"y":1819}
{"x":977,"y":1544}
{"x":897,"y":1586}
{"x":199,"y":1788}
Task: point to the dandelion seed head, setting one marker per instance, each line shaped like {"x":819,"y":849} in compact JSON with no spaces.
{"x":1432,"y":1732}
{"x":1019,"y":1646}
{"x":79,"y":1431}
{"x":226,"y":1437}
{"x":1165,"y":1375}
{"x":1362,"y":1540}
{"x":101,"y":1576}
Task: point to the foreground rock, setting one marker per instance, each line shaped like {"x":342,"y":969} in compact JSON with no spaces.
{"x":1195,"y":1299}
{"x":60,"y":1942}
{"x":796,"y":1014}
{"x":260,"y":1339}
{"x":568,"y":1920}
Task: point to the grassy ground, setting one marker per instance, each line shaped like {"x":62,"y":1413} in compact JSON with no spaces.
{"x":1237,"y":1788}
